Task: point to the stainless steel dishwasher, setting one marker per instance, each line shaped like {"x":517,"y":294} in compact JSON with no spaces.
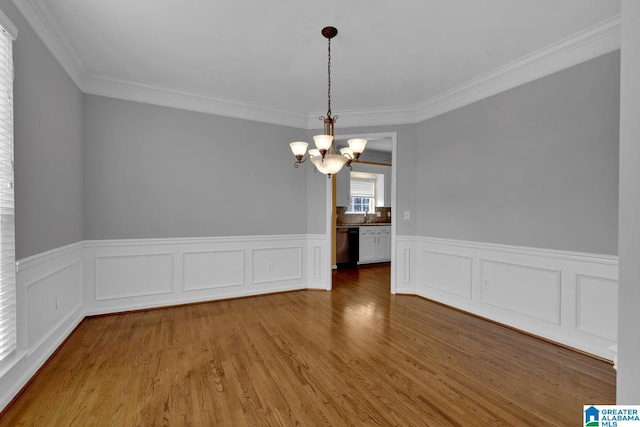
{"x":347,"y":250}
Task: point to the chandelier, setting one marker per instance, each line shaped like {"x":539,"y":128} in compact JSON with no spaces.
{"x":325,"y":157}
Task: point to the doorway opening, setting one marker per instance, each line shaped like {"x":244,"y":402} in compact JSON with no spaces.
{"x":377,"y":223}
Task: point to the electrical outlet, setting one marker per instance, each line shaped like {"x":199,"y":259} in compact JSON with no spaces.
{"x":58,"y":301}
{"x":378,"y":214}
{"x":407,"y":215}
{"x":269,"y":266}
{"x":486,"y":284}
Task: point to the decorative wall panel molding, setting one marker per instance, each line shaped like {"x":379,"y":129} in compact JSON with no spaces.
{"x":567,"y":297}
{"x":446,"y":272}
{"x":213,"y":269}
{"x":50,"y":300}
{"x":597,"y":306}
{"x":124,"y":276}
{"x":406,"y":264}
{"x":276,"y":264}
{"x":317,"y":260}
{"x":524,"y":289}
{"x":131,"y":274}
{"x":406,"y":271}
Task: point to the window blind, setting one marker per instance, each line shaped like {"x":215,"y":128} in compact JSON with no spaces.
{"x":7,"y":233}
{"x":363,"y":187}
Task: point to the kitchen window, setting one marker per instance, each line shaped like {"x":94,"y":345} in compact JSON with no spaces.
{"x":362,"y":193}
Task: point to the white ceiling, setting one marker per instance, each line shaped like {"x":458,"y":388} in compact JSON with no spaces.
{"x":394,"y":61}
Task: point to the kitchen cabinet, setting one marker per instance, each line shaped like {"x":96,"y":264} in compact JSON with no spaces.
{"x":375,"y":244}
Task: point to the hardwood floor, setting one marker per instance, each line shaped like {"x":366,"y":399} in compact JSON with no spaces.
{"x":353,"y":356}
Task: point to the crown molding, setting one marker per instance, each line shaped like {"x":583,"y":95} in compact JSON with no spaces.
{"x":60,"y":49}
{"x":7,"y":26}
{"x":192,"y":101}
{"x":367,"y":117}
{"x":587,"y":44}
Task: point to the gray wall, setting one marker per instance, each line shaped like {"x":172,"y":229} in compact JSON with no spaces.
{"x":153,"y":172}
{"x":628,"y":390}
{"x":48,"y":146}
{"x":534,"y":166}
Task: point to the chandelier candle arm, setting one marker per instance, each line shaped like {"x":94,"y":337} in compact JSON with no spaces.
{"x":325,"y":157}
{"x":347,"y":152}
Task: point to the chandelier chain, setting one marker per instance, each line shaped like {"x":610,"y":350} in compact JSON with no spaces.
{"x":325,"y":156}
{"x":329,"y":81}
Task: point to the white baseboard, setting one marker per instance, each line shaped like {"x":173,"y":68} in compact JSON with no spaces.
{"x":567,"y":297}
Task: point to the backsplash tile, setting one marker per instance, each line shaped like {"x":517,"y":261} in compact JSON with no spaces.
{"x":343,"y":218}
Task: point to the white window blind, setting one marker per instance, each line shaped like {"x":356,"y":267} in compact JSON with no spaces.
{"x":363,"y":187}
{"x":7,"y":234}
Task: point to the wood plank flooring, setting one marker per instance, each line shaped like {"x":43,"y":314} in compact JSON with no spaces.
{"x":353,"y":356}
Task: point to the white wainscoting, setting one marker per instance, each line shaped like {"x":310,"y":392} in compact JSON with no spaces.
{"x":49,"y":307}
{"x":58,"y":288}
{"x":123,"y":275}
{"x":567,"y":297}
{"x":406,"y":264}
{"x":213,"y":269}
{"x":531,"y":291}
{"x":446,"y":272}
{"x":596,"y":294}
{"x":318,"y":262}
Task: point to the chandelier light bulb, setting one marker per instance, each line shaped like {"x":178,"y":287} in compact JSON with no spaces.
{"x":357,"y":145}
{"x":323,"y":142}
{"x":299,"y":148}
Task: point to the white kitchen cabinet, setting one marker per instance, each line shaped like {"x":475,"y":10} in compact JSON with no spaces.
{"x":375,"y":244}
{"x":383,"y":246}
{"x":367,"y":244}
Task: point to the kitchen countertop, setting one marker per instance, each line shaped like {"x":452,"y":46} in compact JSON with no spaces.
{"x":363,"y":225}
